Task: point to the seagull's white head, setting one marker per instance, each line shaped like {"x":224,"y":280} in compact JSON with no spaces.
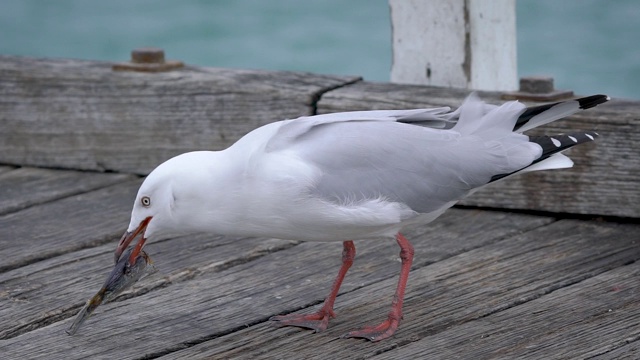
{"x":169,"y":202}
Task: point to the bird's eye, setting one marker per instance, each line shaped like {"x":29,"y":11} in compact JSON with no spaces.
{"x":146,"y":201}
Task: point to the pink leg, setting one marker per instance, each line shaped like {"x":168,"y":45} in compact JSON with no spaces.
{"x":320,"y":320}
{"x":388,"y":327}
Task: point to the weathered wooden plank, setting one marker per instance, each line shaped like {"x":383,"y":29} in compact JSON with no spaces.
{"x":365,"y":95}
{"x":629,"y":351}
{"x":604,"y":180}
{"x":6,"y":168}
{"x":69,"y":224}
{"x":24,"y":187}
{"x":82,"y":115}
{"x":47,"y":291}
{"x":213,"y":304}
{"x":574,"y":322}
{"x":458,"y":292}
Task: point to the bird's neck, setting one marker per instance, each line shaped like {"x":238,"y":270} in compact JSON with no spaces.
{"x":221,"y":194}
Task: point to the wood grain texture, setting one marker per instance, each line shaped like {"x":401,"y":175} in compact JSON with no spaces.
{"x":72,"y":223}
{"x":55,"y":289}
{"x":629,"y":351}
{"x":82,"y":115}
{"x":527,"y":289}
{"x":582,"y":320}
{"x":24,"y":187}
{"x":4,"y":169}
{"x":484,"y":284}
{"x":604,"y":180}
{"x":212,"y":304}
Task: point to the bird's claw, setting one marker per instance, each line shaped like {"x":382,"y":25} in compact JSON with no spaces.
{"x":318,"y":321}
{"x":375,"y":333}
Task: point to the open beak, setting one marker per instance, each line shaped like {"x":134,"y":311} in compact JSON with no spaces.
{"x":128,"y":237}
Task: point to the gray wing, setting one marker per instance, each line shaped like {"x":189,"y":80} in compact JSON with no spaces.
{"x":437,"y":118}
{"x":421,"y":167}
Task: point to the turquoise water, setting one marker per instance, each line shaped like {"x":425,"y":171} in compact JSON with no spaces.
{"x":589,"y":46}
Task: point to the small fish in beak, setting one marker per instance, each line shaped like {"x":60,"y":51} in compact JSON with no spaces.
{"x":128,"y":237}
{"x":122,"y":276}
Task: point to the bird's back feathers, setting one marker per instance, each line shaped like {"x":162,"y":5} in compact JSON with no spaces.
{"x":453,"y":152}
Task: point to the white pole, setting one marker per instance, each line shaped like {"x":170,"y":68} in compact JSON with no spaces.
{"x":455,"y":43}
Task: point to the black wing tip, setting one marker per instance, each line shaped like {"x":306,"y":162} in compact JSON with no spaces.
{"x":583,"y":103}
{"x":557,"y":143}
{"x":591,"y":101}
{"x":554,"y":144}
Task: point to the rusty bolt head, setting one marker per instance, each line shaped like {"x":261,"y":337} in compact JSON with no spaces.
{"x":537,"y":88}
{"x":147,"y":56}
{"x":148,"y":60}
{"x":536,"y":84}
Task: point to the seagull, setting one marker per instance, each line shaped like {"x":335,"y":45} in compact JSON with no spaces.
{"x":349,"y":176}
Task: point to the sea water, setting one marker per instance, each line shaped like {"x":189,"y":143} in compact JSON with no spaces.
{"x":589,"y":46}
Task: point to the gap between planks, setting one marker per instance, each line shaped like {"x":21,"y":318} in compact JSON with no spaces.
{"x":443,"y":299}
{"x":168,"y":309}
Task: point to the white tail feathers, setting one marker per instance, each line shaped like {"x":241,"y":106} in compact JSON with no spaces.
{"x":555,"y":161}
{"x":494,"y":121}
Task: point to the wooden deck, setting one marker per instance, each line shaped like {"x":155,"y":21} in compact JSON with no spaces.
{"x":485,"y":284}
{"x":546,"y":277}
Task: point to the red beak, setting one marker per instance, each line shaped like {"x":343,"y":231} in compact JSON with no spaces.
{"x":128,"y":237}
